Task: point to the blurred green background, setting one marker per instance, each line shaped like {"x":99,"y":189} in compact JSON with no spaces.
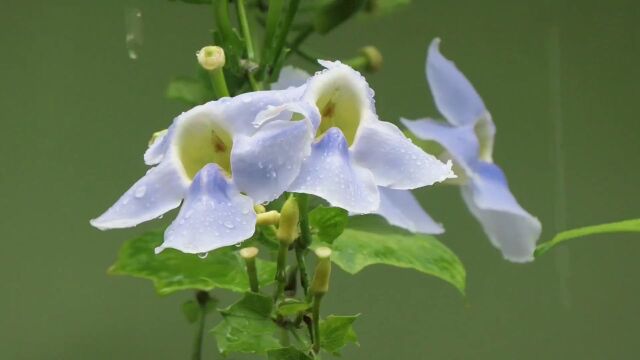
{"x":561,"y":80}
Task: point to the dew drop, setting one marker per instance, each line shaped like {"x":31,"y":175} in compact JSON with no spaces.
{"x":133,"y":31}
{"x":203,"y":255}
{"x":140,"y":191}
{"x":229,"y":225}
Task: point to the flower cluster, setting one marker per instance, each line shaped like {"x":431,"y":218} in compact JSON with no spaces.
{"x":322,"y":137}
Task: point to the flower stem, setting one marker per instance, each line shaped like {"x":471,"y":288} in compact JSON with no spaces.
{"x":304,"y":241}
{"x":281,"y":276}
{"x":219,"y":83}
{"x":315,"y":314}
{"x":246,"y":32}
{"x":203,"y":298}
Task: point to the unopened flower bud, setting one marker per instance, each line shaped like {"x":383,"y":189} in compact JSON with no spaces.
{"x":211,"y":57}
{"x":249,"y":252}
{"x":320,"y":283}
{"x":289,"y":217}
{"x":259,"y":209}
{"x":373,"y":56}
{"x":268,"y":218}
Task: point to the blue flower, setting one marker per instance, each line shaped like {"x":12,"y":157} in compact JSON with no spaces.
{"x":213,"y":158}
{"x":468,"y":139}
{"x":352,"y":153}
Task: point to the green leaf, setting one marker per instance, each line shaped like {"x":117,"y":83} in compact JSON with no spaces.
{"x":188,"y":90}
{"x":287,"y":353}
{"x":616,"y":227}
{"x":172,"y":270}
{"x":336,"y":332}
{"x":357,"y":249}
{"x":329,"y":222}
{"x":291,"y":306}
{"x":247,"y":326}
{"x":335,"y":13}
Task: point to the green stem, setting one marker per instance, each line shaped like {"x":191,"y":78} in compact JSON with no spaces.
{"x":281,"y":276}
{"x":203,"y":298}
{"x":301,"y":37}
{"x":273,"y":17}
{"x":304,"y":241}
{"x":282,"y":35}
{"x":253,"y":274}
{"x":246,"y":32}
{"x":219,"y":83}
{"x":360,"y":63}
{"x":221,"y":17}
{"x":315,"y":314}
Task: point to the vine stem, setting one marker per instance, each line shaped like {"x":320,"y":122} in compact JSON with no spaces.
{"x":304,"y":241}
{"x":315,"y":314}
{"x":202,"y":297}
{"x":281,"y":276}
{"x":246,"y":31}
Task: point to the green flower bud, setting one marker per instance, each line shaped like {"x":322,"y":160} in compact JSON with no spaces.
{"x":211,"y":57}
{"x":320,"y":283}
{"x":289,"y":217}
{"x":268,"y":218}
{"x":374,"y":58}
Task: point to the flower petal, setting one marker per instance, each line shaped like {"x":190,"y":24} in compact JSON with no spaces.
{"x":454,"y":95}
{"x":400,"y":208}
{"x":265,"y":164}
{"x":214,"y":214}
{"x":156,"y":151}
{"x":394,"y":160}
{"x":290,"y":77}
{"x":460,"y":142}
{"x":330,"y":173}
{"x":509,"y":227}
{"x":159,"y":191}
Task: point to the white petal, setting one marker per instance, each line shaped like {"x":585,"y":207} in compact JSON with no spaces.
{"x":214,"y":214}
{"x":330,"y":174}
{"x":159,"y":191}
{"x":400,"y":208}
{"x":454,"y":95}
{"x":509,"y":227}
{"x":265,"y":164}
{"x":394,"y":160}
{"x":290,"y":77}
{"x":157,"y":150}
{"x":460,"y":142}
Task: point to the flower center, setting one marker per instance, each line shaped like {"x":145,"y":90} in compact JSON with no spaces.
{"x":339,"y":105}
{"x":200,"y":141}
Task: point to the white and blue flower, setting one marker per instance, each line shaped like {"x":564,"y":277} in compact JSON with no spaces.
{"x":468,"y":139}
{"x":212,"y":157}
{"x":358,"y":162}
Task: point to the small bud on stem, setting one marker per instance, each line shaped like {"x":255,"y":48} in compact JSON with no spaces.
{"x":319,"y":287}
{"x":249,"y":255}
{"x":289,"y":217}
{"x":212,"y":59}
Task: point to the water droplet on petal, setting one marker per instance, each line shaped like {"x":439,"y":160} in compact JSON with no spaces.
{"x":229,"y":225}
{"x":140,"y":191}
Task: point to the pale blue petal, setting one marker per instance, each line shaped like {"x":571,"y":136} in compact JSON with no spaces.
{"x":290,"y":77}
{"x":400,"y":208}
{"x":214,"y":214}
{"x":265,"y":164}
{"x":159,"y":191}
{"x":460,"y":142}
{"x":454,"y":95}
{"x":509,"y":227}
{"x":394,"y":160}
{"x":157,"y":150}
{"x":330,"y":173}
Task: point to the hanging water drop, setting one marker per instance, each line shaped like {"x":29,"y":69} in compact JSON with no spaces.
{"x":133,"y":28}
{"x":203,"y":255}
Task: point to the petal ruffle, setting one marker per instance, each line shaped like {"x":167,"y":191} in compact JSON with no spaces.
{"x":394,"y":160}
{"x":290,"y":77}
{"x":159,"y":191}
{"x":330,"y":173}
{"x":214,"y":214}
{"x":509,"y":227}
{"x":454,"y":95}
{"x":400,"y":208}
